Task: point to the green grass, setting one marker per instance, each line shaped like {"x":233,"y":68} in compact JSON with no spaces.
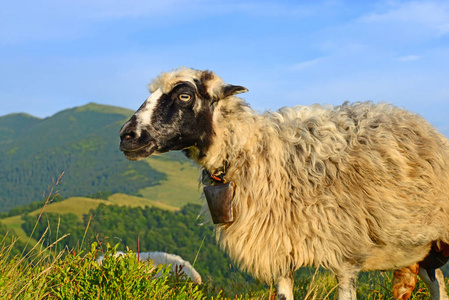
{"x":15,"y":225}
{"x":134,"y":201}
{"x":44,"y":273}
{"x":71,"y":275}
{"x":180,"y":186}
{"x":80,"y":206}
{"x":47,"y":273}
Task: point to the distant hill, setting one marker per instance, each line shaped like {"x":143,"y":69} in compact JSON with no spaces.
{"x":15,"y":125}
{"x":83,"y":143}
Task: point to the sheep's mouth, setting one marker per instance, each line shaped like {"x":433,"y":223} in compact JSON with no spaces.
{"x":139,"y":152}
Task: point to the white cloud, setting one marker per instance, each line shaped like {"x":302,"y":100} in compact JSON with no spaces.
{"x":306,"y":64}
{"x":408,"y":58}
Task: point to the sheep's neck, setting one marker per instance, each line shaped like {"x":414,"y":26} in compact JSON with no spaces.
{"x":235,"y":133}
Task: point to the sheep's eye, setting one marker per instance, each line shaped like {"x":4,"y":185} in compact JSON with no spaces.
{"x":184,"y":97}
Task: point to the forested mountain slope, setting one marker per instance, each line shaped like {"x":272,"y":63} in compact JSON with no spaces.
{"x":82,"y":142}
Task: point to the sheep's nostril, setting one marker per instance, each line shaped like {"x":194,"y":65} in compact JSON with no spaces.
{"x":128,"y":136}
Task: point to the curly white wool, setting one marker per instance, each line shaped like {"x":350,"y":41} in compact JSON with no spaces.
{"x":354,"y":187}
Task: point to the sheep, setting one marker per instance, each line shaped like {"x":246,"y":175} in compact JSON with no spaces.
{"x":350,"y":188}
{"x":177,"y":264}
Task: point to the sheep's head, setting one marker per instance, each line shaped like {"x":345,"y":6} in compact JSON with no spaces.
{"x":177,"y":115}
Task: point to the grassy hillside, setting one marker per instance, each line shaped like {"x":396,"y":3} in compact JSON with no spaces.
{"x":70,"y":274}
{"x":180,"y":185}
{"x":134,"y":201}
{"x":83,"y":143}
{"x":80,"y":206}
{"x":170,"y":230}
{"x":14,"y":227}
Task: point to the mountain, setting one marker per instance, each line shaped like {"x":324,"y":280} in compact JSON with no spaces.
{"x":15,"y":125}
{"x":83,"y":143}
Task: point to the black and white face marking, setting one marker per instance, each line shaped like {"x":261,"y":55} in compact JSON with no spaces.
{"x":179,"y":119}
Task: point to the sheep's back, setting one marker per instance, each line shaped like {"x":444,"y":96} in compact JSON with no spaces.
{"x":322,"y":185}
{"x":382,"y":167}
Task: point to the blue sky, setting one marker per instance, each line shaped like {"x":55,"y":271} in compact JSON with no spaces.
{"x":60,"y":54}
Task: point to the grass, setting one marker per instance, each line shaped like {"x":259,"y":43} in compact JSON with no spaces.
{"x":71,"y":275}
{"x":15,"y":224}
{"x":180,"y":186}
{"x":45,"y":273}
{"x":76,"y":205}
{"x":81,"y":206}
{"x":77,"y":275}
{"x":134,"y":201}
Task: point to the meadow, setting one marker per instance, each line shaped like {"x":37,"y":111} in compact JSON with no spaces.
{"x":48,"y":250}
{"x":48,"y":268}
{"x":43,"y":273}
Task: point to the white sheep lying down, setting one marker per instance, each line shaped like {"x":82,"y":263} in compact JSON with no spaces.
{"x":351,"y":188}
{"x":161,"y":258}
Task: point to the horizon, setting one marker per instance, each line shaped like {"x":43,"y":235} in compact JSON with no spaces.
{"x":64,"y":109}
{"x":57,"y":56}
{"x":120,"y":107}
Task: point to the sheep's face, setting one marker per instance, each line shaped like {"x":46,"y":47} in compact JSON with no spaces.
{"x":177,"y":115}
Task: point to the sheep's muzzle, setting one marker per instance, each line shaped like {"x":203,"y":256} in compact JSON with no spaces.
{"x":136,"y":148}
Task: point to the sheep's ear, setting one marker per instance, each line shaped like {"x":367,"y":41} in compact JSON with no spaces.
{"x":229,"y":90}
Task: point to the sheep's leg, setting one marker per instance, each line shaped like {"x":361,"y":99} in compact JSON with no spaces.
{"x":347,"y":284}
{"x":434,"y":286}
{"x":285,"y":287}
{"x":442,"y":284}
